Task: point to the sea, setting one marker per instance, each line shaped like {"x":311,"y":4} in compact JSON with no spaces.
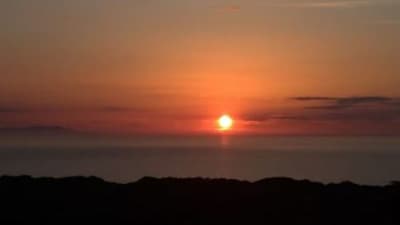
{"x":365,"y":160}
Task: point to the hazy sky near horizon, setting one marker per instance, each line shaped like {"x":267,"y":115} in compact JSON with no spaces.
{"x":174,"y":66}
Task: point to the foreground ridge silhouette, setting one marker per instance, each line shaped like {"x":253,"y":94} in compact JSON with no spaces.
{"x":91,"y":200}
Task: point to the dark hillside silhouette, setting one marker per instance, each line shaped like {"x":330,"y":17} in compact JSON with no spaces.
{"x":80,"y":200}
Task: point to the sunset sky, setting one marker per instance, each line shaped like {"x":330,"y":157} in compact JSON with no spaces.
{"x":174,"y":66}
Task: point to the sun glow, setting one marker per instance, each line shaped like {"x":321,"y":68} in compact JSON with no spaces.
{"x":225,"y":122}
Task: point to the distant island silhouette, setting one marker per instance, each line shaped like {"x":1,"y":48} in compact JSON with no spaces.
{"x":91,"y":200}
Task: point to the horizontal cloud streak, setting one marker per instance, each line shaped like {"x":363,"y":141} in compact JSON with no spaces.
{"x":231,"y":8}
{"x":119,"y":109}
{"x":4,"y":109}
{"x":364,"y":111}
{"x":334,"y":4}
{"x":343,"y":102}
{"x":262,"y":117}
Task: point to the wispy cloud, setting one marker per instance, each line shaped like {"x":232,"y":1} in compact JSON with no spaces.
{"x":368,"y":109}
{"x":6,"y":109}
{"x":233,"y":8}
{"x":388,"y":22}
{"x":229,"y":8}
{"x":37,"y":129}
{"x":55,"y":109}
{"x":117,"y":109}
{"x":334,"y":103}
{"x":263,"y":117}
{"x":334,"y":3}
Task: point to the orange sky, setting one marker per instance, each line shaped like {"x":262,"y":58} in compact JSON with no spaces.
{"x":175,"y":66}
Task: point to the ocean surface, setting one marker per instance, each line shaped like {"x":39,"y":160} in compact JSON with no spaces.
{"x":365,"y":160}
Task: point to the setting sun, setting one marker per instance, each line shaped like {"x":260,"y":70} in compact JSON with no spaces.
{"x":225,"y":122}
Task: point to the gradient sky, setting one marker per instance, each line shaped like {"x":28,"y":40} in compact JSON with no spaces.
{"x":174,"y":66}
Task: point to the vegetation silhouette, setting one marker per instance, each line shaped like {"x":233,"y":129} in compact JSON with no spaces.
{"x":91,"y":200}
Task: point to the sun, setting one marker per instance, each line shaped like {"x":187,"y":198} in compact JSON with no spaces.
{"x":225,"y":122}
